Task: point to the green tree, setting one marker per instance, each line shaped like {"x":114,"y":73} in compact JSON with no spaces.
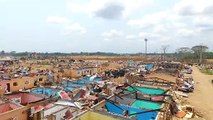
{"x":184,"y":53}
{"x":199,"y":50}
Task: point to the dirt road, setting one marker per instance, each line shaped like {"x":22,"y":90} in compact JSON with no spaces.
{"x":202,"y":97}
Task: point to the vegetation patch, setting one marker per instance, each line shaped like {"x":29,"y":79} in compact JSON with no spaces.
{"x":207,"y":71}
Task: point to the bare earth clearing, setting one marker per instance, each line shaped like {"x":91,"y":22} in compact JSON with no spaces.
{"x":202,"y":98}
{"x":116,"y":58}
{"x":209,"y":60}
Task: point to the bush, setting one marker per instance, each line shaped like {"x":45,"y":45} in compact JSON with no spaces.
{"x":207,"y":71}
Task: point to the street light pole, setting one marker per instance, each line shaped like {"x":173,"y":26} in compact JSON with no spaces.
{"x":145,"y":45}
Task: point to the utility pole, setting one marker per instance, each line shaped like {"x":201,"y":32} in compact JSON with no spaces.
{"x":145,"y":45}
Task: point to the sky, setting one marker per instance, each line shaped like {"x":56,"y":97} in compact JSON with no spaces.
{"x":118,"y":26}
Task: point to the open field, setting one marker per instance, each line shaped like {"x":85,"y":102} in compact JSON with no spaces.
{"x":209,"y":60}
{"x":116,"y":58}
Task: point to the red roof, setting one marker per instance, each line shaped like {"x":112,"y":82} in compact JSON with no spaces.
{"x":64,"y":95}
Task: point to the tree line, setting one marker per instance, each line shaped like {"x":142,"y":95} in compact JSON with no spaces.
{"x":197,"y":53}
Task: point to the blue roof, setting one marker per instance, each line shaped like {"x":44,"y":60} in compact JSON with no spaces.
{"x":116,"y":110}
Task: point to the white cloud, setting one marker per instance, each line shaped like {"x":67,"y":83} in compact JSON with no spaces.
{"x":112,"y":33}
{"x":149,"y":20}
{"x":93,"y":6}
{"x":148,"y":35}
{"x":160,"y":29}
{"x":131,"y":37}
{"x":76,"y":27}
{"x":199,"y":13}
{"x":203,"y":23}
{"x":106,"y":39}
{"x":174,"y":24}
{"x":137,"y":5}
{"x":187,"y":18}
{"x":67,"y":26}
{"x":191,"y":7}
{"x":203,"y":20}
{"x":56,"y":20}
{"x":185,"y":32}
{"x":110,"y":11}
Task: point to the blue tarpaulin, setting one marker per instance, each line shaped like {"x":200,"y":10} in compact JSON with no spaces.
{"x":67,"y":89}
{"x":45,"y":91}
{"x":114,"y":108}
{"x":96,"y":79}
{"x":71,"y":84}
{"x":149,"y":66}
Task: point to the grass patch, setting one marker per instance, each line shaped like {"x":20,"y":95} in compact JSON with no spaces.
{"x":207,"y":71}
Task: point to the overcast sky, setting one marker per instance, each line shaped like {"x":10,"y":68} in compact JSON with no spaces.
{"x":104,"y":25}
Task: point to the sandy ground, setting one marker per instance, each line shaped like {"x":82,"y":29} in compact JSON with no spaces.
{"x":209,"y":60}
{"x":120,"y":80}
{"x":163,"y":76}
{"x":202,"y":97}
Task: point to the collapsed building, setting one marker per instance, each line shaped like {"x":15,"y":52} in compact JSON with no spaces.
{"x":83,"y":90}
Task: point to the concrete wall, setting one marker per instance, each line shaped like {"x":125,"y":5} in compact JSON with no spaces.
{"x":55,"y":113}
{"x":77,"y":73}
{"x":72,"y":73}
{"x":52,"y":110}
{"x":60,"y":114}
{"x":95,"y":116}
{"x":19,"y":114}
{"x":21,"y":83}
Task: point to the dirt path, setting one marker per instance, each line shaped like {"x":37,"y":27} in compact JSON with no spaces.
{"x":202,"y":97}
